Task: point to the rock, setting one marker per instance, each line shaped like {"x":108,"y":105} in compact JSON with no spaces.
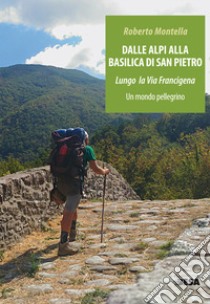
{"x":103,"y":268}
{"x":119,"y":286}
{"x":72,"y":272}
{"x":148,"y":240}
{"x":119,"y":264}
{"x":116,"y":227}
{"x":48,"y":265}
{"x":34,"y":290}
{"x":151,"y":222}
{"x":151,"y":228}
{"x":158,"y":243}
{"x":97,"y":246}
{"x":47,"y":275}
{"x":106,"y":276}
{"x":64,"y":280}
{"x":119,"y":240}
{"x":158,"y":280}
{"x":114,"y":253}
{"x":76,"y":268}
{"x":124,"y":247}
{"x":125,"y":295}
{"x":122,"y":261}
{"x":181,"y":247}
{"x":24,"y":197}
{"x":178,"y":210}
{"x":95,"y":260}
{"x":179,"y":265}
{"x":98,"y":283}
{"x":203,"y":222}
{"x":75,"y":247}
{"x":60,"y":301}
{"x":137,"y":269}
{"x":78,"y":292}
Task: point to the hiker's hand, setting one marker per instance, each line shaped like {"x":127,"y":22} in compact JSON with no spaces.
{"x":106,"y":171}
{"x":98,"y":169}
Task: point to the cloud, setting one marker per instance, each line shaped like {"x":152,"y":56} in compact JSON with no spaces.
{"x":87,"y":54}
{"x":64,"y":19}
{"x":68,"y":56}
{"x":151,"y":7}
{"x":51,"y":13}
{"x":10,"y":14}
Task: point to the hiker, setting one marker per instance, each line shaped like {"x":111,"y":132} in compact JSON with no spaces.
{"x":72,"y":190}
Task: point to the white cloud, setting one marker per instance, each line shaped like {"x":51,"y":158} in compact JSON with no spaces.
{"x":51,"y":13}
{"x":151,"y":7}
{"x":68,"y":56}
{"x":63,"y":19}
{"x":10,"y":14}
{"x":87,"y":53}
{"x":86,"y":18}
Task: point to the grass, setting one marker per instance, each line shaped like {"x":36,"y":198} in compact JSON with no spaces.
{"x":77,"y":281}
{"x":117,"y":212}
{"x":96,"y":200}
{"x":51,"y":238}
{"x":164,"y":250}
{"x":123,"y":270}
{"x":1,"y":256}
{"x":121,"y":241}
{"x":5,"y":292}
{"x":81,"y":236}
{"x":120,"y":255}
{"x":189,"y":205}
{"x":95,"y":297}
{"x":167,"y":245}
{"x":34,"y":263}
{"x":46,"y":228}
{"x":140,"y":247}
{"x":134,"y":214}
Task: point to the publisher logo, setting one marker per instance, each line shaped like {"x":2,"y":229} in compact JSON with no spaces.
{"x":189,"y":282}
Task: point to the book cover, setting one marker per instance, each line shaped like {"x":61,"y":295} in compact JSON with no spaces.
{"x":136,"y":76}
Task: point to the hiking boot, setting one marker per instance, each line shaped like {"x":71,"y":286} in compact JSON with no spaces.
{"x":72,"y":236}
{"x":67,"y":249}
{"x":73,"y":231}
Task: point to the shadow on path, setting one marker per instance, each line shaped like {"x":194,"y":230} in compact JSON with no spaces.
{"x":26,"y":264}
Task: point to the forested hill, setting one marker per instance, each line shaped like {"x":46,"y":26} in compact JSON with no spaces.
{"x":35,"y":99}
{"x":168,"y":158}
{"x":163,"y":158}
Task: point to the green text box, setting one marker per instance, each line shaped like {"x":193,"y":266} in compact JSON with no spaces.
{"x":155,"y":64}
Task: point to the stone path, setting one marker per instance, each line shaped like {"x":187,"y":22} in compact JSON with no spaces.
{"x":183,"y":277}
{"x":137,"y":236}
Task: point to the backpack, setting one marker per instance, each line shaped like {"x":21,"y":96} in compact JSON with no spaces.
{"x":67,"y":156}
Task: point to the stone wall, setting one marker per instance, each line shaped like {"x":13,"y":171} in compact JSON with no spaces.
{"x":25,"y":204}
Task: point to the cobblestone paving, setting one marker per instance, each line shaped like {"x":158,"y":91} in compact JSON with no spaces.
{"x":137,"y":235}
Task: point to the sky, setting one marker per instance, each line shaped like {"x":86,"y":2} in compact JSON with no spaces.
{"x":71,"y":33}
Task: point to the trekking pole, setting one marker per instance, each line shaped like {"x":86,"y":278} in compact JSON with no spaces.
{"x":102,"y":221}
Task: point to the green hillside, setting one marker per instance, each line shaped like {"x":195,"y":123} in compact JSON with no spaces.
{"x":35,"y":99}
{"x":161,"y":156}
{"x":164,"y":159}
